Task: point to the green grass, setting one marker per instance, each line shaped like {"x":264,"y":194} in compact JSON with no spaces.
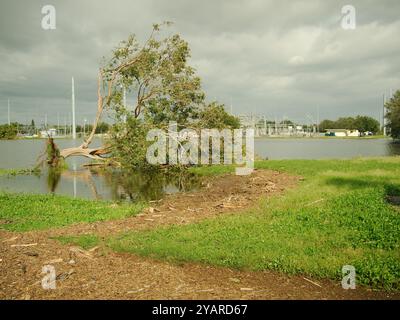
{"x":85,"y":241}
{"x":25,"y":212}
{"x":212,"y":170}
{"x":337,"y":215}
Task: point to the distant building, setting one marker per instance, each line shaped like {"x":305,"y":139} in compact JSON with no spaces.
{"x":48,"y":133}
{"x":342,"y":133}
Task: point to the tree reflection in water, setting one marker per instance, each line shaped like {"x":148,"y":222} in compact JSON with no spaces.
{"x":127,"y":185}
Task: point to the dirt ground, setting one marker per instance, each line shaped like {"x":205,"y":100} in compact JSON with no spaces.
{"x":99,"y":273}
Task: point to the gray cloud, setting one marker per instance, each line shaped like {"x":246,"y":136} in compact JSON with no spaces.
{"x":277,"y":58}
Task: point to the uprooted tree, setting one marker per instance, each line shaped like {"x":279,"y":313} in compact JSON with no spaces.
{"x":165,"y":87}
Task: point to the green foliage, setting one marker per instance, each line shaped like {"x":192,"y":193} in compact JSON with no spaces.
{"x":393,"y":115}
{"x":364,"y":124}
{"x":338,"y":215}
{"x":214,"y":116}
{"x":102,"y":127}
{"x":327,"y":124}
{"x":24,"y":212}
{"x":8,"y":131}
{"x":361,"y":123}
{"x":165,"y":88}
{"x":128,"y":142}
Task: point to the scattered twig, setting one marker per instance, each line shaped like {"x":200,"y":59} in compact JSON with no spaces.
{"x":11,"y":239}
{"x":54,"y":261}
{"x":314,"y":283}
{"x":314,"y":202}
{"x":24,"y":245}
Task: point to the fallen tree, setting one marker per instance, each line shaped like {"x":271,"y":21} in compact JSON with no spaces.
{"x":165,"y":89}
{"x":83,"y":150}
{"x":157,"y":73}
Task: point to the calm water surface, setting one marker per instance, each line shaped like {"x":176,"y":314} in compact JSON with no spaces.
{"x":119,"y":185}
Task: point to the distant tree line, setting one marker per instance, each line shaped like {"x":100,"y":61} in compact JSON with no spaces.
{"x":14,"y":129}
{"x":393,"y":115}
{"x":8,"y":131}
{"x":102,"y":127}
{"x":360,"y":123}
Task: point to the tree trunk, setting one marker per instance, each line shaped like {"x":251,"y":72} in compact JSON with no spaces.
{"x":83,"y":149}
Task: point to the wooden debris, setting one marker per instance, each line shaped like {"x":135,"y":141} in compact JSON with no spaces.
{"x":54,"y":261}
{"x":31,"y":254}
{"x":11,"y":239}
{"x":152,"y":210}
{"x":135,"y":291}
{"x":206,"y":290}
{"x":65,"y":275}
{"x":314,"y":283}
{"x":80,"y":252}
{"x":24,"y":245}
{"x":314,"y":202}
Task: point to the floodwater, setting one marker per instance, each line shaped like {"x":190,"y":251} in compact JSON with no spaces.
{"x":119,"y":185}
{"x":81,"y":182}
{"x":324,"y":148}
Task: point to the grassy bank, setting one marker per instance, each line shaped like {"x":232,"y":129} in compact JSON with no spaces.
{"x":338,"y":215}
{"x":24,"y":212}
{"x":85,"y":241}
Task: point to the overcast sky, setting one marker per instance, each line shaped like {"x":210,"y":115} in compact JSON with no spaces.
{"x":275,"y":58}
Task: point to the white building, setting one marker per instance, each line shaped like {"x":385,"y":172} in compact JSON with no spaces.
{"x":342,"y":133}
{"x":48,"y":133}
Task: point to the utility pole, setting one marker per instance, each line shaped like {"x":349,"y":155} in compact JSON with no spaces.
{"x":318,"y":118}
{"x":69,"y":123}
{"x":383,"y":118}
{"x":73,"y":110}
{"x":9,"y":121}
